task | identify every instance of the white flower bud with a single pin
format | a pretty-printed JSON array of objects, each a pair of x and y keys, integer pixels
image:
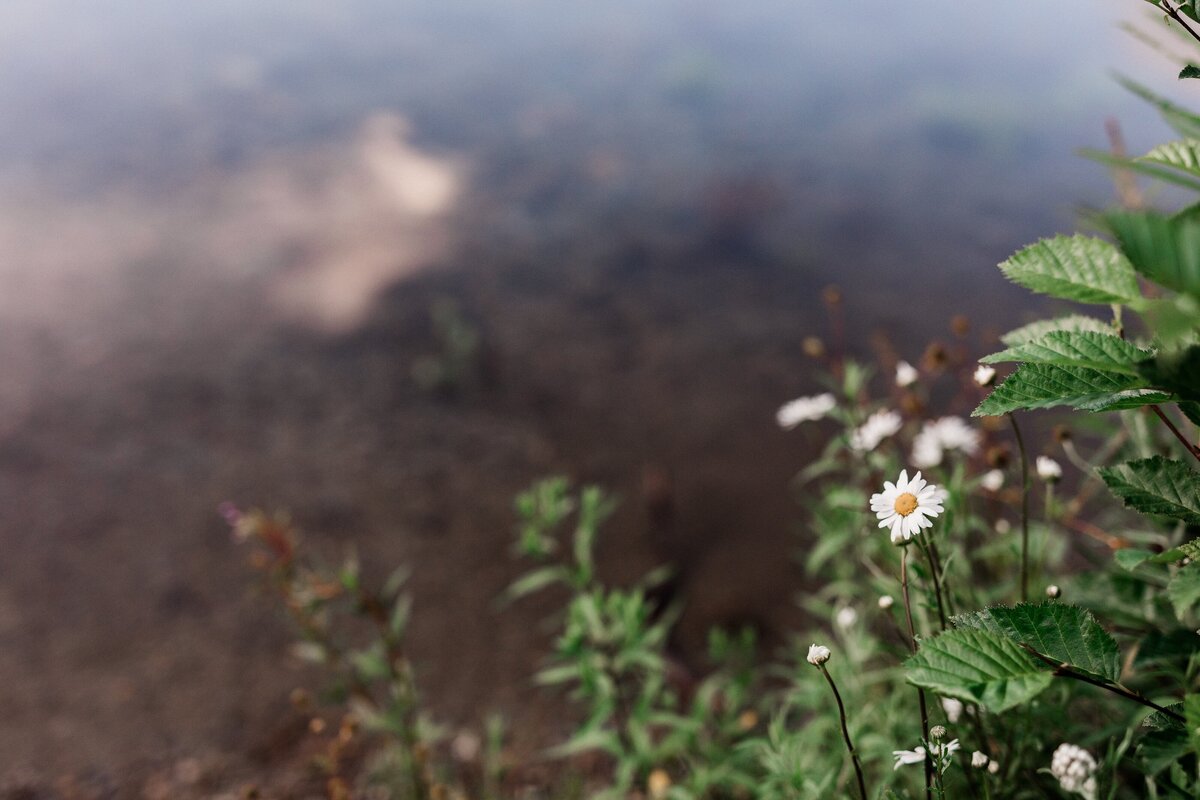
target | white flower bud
[
  {"x": 979, "y": 760},
  {"x": 953, "y": 709},
  {"x": 818, "y": 655},
  {"x": 846, "y": 617},
  {"x": 1048, "y": 469},
  {"x": 1053, "y": 592},
  {"x": 992, "y": 480},
  {"x": 906, "y": 374},
  {"x": 993, "y": 767},
  {"x": 985, "y": 375},
  {"x": 886, "y": 602},
  {"x": 937, "y": 732},
  {"x": 1075, "y": 769}
]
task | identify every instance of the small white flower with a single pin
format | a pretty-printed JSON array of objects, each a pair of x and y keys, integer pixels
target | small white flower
[
  {"x": 886, "y": 602},
  {"x": 953, "y": 709},
  {"x": 906, "y": 507},
  {"x": 1075, "y": 769},
  {"x": 993, "y": 767},
  {"x": 992, "y": 480},
  {"x": 878, "y": 427},
  {"x": 1053, "y": 592},
  {"x": 979, "y": 760},
  {"x": 936, "y": 437},
  {"x": 985, "y": 375},
  {"x": 906, "y": 374},
  {"x": 937, "y": 732},
  {"x": 1048, "y": 469},
  {"x": 805, "y": 409},
  {"x": 1003, "y": 526},
  {"x": 846, "y": 617},
  {"x": 818, "y": 654},
  {"x": 917, "y": 755}
]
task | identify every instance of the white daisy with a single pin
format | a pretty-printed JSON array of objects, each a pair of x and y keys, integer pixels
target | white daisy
[
  {"x": 906, "y": 506},
  {"x": 906, "y": 374},
  {"x": 1075, "y": 769},
  {"x": 917, "y": 755},
  {"x": 935, "y": 438},
  {"x": 805, "y": 409},
  {"x": 878, "y": 427},
  {"x": 1048, "y": 469}
]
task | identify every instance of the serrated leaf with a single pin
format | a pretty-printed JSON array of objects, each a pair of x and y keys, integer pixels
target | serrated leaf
[
  {"x": 977, "y": 666},
  {"x": 1157, "y": 485},
  {"x": 1182, "y": 155},
  {"x": 1130, "y": 558},
  {"x": 1160, "y": 749},
  {"x": 1068, "y": 634},
  {"x": 1184, "y": 590},
  {"x": 1165, "y": 249},
  {"x": 1071, "y": 322},
  {"x": 1047, "y": 385},
  {"x": 1079, "y": 268},
  {"x": 1164, "y": 648},
  {"x": 1100, "y": 351}
]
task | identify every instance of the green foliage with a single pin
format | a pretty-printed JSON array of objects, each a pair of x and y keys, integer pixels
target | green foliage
[
  {"x": 1065, "y": 633},
  {"x": 1070, "y": 323},
  {"x": 978, "y": 666},
  {"x": 1098, "y": 351},
  {"x": 1046, "y": 386},
  {"x": 1164, "y": 248},
  {"x": 1078, "y": 268},
  {"x": 1157, "y": 485}
]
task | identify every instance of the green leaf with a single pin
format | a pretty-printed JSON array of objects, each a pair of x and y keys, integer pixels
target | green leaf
[
  {"x": 1068, "y": 634},
  {"x": 1130, "y": 558},
  {"x": 1175, "y": 646},
  {"x": 1100, "y": 351},
  {"x": 1177, "y": 372},
  {"x": 1190, "y": 71},
  {"x": 1071, "y": 322},
  {"x": 1079, "y": 268},
  {"x": 1165, "y": 249},
  {"x": 977, "y": 666},
  {"x": 1047, "y": 385},
  {"x": 1184, "y": 590},
  {"x": 1157, "y": 485},
  {"x": 1184, "y": 122},
  {"x": 1183, "y": 155},
  {"x": 1161, "y": 748},
  {"x": 1149, "y": 169}
]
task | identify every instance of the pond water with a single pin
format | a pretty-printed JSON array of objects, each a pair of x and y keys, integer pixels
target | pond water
[{"x": 223, "y": 226}]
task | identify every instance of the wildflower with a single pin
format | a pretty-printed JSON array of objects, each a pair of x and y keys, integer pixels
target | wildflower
[
  {"x": 658, "y": 783},
  {"x": 937, "y": 732},
  {"x": 878, "y": 427},
  {"x": 1075, "y": 769},
  {"x": 906, "y": 506},
  {"x": 818, "y": 654},
  {"x": 906, "y": 374},
  {"x": 886, "y": 602},
  {"x": 846, "y": 617},
  {"x": 805, "y": 409},
  {"x": 993, "y": 767},
  {"x": 953, "y": 709},
  {"x": 979, "y": 760},
  {"x": 917, "y": 755},
  {"x": 1048, "y": 469},
  {"x": 1003, "y": 526},
  {"x": 935, "y": 438},
  {"x": 992, "y": 480},
  {"x": 985, "y": 375},
  {"x": 1053, "y": 592}
]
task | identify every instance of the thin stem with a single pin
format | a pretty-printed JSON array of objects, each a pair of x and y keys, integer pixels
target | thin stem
[
  {"x": 935, "y": 569},
  {"x": 1173, "y": 13},
  {"x": 862, "y": 785},
  {"x": 1066, "y": 671},
  {"x": 1024, "y": 507},
  {"x": 912, "y": 637},
  {"x": 1191, "y": 448}
]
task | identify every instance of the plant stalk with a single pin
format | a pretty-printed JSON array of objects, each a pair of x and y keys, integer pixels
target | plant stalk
[
  {"x": 1191, "y": 448},
  {"x": 1066, "y": 671},
  {"x": 1024, "y": 507},
  {"x": 862, "y": 785},
  {"x": 912, "y": 637}
]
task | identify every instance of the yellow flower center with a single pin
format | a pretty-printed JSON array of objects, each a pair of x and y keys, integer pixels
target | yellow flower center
[{"x": 906, "y": 504}]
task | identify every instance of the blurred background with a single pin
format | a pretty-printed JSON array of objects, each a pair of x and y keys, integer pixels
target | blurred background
[{"x": 382, "y": 264}]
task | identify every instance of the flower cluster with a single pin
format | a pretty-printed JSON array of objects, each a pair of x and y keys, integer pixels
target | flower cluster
[
  {"x": 1075, "y": 769},
  {"x": 939, "y": 436}
]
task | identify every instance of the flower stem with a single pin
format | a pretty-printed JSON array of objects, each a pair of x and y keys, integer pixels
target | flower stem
[
  {"x": 862, "y": 785},
  {"x": 1024, "y": 508},
  {"x": 935, "y": 570},
  {"x": 912, "y": 637},
  {"x": 1191, "y": 448}
]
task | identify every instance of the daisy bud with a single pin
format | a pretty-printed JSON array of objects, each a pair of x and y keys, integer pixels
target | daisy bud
[
  {"x": 953, "y": 709},
  {"x": 992, "y": 480},
  {"x": 846, "y": 617},
  {"x": 985, "y": 375},
  {"x": 979, "y": 760},
  {"x": 886, "y": 602},
  {"x": 906, "y": 374},
  {"x": 993, "y": 767},
  {"x": 1003, "y": 526},
  {"x": 937, "y": 732},
  {"x": 1053, "y": 592},
  {"x": 818, "y": 654},
  {"x": 1048, "y": 469},
  {"x": 658, "y": 784}
]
